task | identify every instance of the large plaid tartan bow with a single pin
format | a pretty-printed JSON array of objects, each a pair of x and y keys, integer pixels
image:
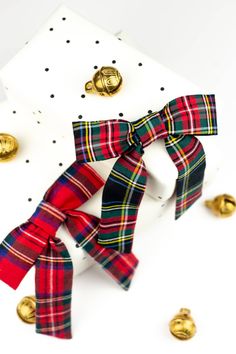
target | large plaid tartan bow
[
  {"x": 35, "y": 242},
  {"x": 176, "y": 123}
]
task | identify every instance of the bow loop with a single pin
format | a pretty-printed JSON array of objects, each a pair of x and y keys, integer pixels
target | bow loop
[
  {"x": 21, "y": 248},
  {"x": 74, "y": 187},
  {"x": 19, "y": 251},
  {"x": 102, "y": 140},
  {"x": 190, "y": 115}
]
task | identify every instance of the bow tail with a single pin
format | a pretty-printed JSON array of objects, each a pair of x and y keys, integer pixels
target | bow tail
[
  {"x": 120, "y": 266},
  {"x": 19, "y": 251},
  {"x": 122, "y": 195},
  {"x": 53, "y": 280},
  {"x": 188, "y": 155}
]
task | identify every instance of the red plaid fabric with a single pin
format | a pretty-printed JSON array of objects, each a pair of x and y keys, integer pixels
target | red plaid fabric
[{"x": 35, "y": 242}]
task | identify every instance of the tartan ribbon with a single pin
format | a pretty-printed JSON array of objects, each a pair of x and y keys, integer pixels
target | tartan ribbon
[
  {"x": 176, "y": 123},
  {"x": 35, "y": 243}
]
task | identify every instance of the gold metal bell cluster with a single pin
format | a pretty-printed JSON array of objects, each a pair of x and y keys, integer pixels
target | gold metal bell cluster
[
  {"x": 106, "y": 82},
  {"x": 223, "y": 205}
]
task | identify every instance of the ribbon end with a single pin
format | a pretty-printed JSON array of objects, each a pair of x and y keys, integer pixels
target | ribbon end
[
  {"x": 121, "y": 267},
  {"x": 60, "y": 335},
  {"x": 10, "y": 274}
]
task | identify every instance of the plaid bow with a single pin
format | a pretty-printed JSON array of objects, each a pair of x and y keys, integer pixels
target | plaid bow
[
  {"x": 176, "y": 123},
  {"x": 35, "y": 242}
]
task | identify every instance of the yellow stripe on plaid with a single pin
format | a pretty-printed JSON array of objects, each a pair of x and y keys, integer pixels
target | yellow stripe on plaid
[
  {"x": 169, "y": 120},
  {"x": 87, "y": 129},
  {"x": 131, "y": 132},
  {"x": 127, "y": 181},
  {"x": 190, "y": 169},
  {"x": 179, "y": 151},
  {"x": 209, "y": 116},
  {"x": 188, "y": 192},
  {"x": 147, "y": 124},
  {"x": 117, "y": 240},
  {"x": 51, "y": 259},
  {"x": 118, "y": 206},
  {"x": 125, "y": 210}
]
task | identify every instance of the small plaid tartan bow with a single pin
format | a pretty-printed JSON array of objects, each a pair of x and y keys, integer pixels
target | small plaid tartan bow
[
  {"x": 176, "y": 123},
  {"x": 35, "y": 242}
]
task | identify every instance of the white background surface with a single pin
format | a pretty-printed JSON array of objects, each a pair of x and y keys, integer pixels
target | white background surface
[{"x": 189, "y": 263}]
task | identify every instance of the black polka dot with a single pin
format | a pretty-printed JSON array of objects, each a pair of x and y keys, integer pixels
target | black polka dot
[
  {"x": 38, "y": 121},
  {"x": 68, "y": 41},
  {"x": 119, "y": 39},
  {"x": 27, "y": 161},
  {"x": 150, "y": 111},
  {"x": 121, "y": 114},
  {"x": 14, "y": 112},
  {"x": 60, "y": 164},
  {"x": 113, "y": 61},
  {"x": 46, "y": 69},
  {"x": 80, "y": 116},
  {"x": 162, "y": 88},
  {"x": 159, "y": 197},
  {"x": 40, "y": 112},
  {"x": 51, "y": 29},
  {"x": 63, "y": 18},
  {"x": 97, "y": 42},
  {"x": 29, "y": 199},
  {"x": 54, "y": 141},
  {"x": 83, "y": 96},
  {"x": 140, "y": 64},
  {"x": 77, "y": 245},
  {"x": 95, "y": 67},
  {"x": 27, "y": 42},
  {"x": 52, "y": 96}
]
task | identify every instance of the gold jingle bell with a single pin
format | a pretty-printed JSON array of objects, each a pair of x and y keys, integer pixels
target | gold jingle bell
[
  {"x": 106, "y": 82},
  {"x": 222, "y": 205},
  {"x": 182, "y": 326},
  {"x": 8, "y": 147},
  {"x": 26, "y": 309}
]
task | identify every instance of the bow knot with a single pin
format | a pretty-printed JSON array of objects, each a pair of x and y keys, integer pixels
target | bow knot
[
  {"x": 150, "y": 128},
  {"x": 48, "y": 217},
  {"x": 135, "y": 137}
]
